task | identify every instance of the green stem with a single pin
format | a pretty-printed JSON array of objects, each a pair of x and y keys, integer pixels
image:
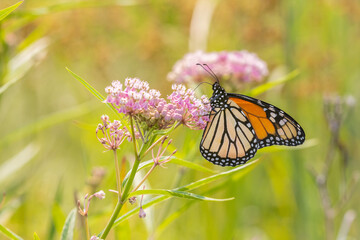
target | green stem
[
  {"x": 87, "y": 228},
  {"x": 126, "y": 191},
  {"x": 118, "y": 179},
  {"x": 4, "y": 56},
  {"x": 112, "y": 219}
]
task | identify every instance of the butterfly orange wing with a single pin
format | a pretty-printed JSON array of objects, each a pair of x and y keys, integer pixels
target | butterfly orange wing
[{"x": 272, "y": 125}]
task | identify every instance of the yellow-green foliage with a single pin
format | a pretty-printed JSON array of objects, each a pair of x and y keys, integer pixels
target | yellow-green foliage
[{"x": 48, "y": 146}]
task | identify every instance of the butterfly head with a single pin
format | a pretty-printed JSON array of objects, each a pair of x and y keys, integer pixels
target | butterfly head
[{"x": 219, "y": 98}]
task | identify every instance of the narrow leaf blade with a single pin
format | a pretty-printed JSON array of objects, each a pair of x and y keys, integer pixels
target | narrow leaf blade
[
  {"x": 8, "y": 233},
  {"x": 173, "y": 160},
  {"x": 68, "y": 229},
  {"x": 266, "y": 86},
  {"x": 20, "y": 64},
  {"x": 8, "y": 10},
  {"x": 187, "y": 187},
  {"x": 214, "y": 177},
  {"x": 36, "y": 237},
  {"x": 87, "y": 85},
  {"x": 47, "y": 121},
  {"x": 180, "y": 194},
  {"x": 97, "y": 95}
]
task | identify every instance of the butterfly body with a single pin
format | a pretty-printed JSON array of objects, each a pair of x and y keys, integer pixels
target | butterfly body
[{"x": 240, "y": 125}]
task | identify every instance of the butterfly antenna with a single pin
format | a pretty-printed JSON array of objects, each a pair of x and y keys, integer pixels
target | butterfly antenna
[
  {"x": 200, "y": 84},
  {"x": 209, "y": 71},
  {"x": 213, "y": 74}
]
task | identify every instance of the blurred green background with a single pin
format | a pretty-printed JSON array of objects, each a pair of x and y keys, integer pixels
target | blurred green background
[{"x": 48, "y": 147}]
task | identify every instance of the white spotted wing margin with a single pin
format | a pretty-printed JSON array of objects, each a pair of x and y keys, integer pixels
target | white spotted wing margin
[
  {"x": 287, "y": 131},
  {"x": 228, "y": 139}
]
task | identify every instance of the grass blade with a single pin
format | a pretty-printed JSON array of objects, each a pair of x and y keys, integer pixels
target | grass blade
[
  {"x": 9, "y": 167},
  {"x": 9, "y": 233},
  {"x": 8, "y": 10},
  {"x": 172, "y": 217},
  {"x": 176, "y": 214},
  {"x": 174, "y": 160},
  {"x": 47, "y": 121},
  {"x": 98, "y": 95},
  {"x": 72, "y": 5},
  {"x": 214, "y": 177},
  {"x": 180, "y": 194},
  {"x": 68, "y": 229},
  {"x": 58, "y": 217},
  {"x": 191, "y": 165},
  {"x": 20, "y": 64},
  {"x": 36, "y": 237},
  {"x": 266, "y": 86},
  {"x": 87, "y": 85}
]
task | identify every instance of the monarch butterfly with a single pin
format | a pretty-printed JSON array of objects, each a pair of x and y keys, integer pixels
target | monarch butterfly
[{"x": 240, "y": 125}]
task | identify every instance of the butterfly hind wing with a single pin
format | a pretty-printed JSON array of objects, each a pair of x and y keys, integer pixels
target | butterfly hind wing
[
  {"x": 229, "y": 138},
  {"x": 272, "y": 125}
]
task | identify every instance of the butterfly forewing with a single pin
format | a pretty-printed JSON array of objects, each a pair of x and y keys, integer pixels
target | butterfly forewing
[
  {"x": 272, "y": 125},
  {"x": 228, "y": 139}
]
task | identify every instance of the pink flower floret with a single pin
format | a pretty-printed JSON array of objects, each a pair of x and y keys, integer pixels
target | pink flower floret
[
  {"x": 242, "y": 66},
  {"x": 135, "y": 98}
]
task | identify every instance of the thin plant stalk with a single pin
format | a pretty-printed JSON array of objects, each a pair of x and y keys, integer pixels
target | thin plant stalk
[
  {"x": 135, "y": 166},
  {"x": 118, "y": 179},
  {"x": 145, "y": 177},
  {"x": 126, "y": 191},
  {"x": 87, "y": 228},
  {"x": 154, "y": 144}
]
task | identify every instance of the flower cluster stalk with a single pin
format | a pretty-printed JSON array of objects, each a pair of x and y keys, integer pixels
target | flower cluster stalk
[
  {"x": 118, "y": 178},
  {"x": 150, "y": 117},
  {"x": 124, "y": 195},
  {"x": 87, "y": 227}
]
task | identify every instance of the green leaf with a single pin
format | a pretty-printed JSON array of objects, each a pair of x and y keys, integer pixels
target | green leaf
[
  {"x": 20, "y": 64},
  {"x": 58, "y": 216},
  {"x": 36, "y": 237},
  {"x": 172, "y": 217},
  {"x": 7, "y": 11},
  {"x": 71, "y": 5},
  {"x": 214, "y": 177},
  {"x": 87, "y": 85},
  {"x": 187, "y": 187},
  {"x": 180, "y": 194},
  {"x": 191, "y": 165},
  {"x": 266, "y": 86},
  {"x": 173, "y": 160},
  {"x": 36, "y": 34},
  {"x": 68, "y": 229},
  {"x": 47, "y": 121},
  {"x": 5, "y": 231},
  {"x": 98, "y": 95},
  {"x": 24, "y": 156}
]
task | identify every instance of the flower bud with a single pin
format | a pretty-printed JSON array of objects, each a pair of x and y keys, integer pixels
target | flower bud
[
  {"x": 142, "y": 213},
  {"x": 100, "y": 194}
]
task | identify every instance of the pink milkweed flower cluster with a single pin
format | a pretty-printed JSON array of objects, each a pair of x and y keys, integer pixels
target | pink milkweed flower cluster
[
  {"x": 188, "y": 109},
  {"x": 150, "y": 110},
  {"x": 241, "y": 66},
  {"x": 113, "y": 133}
]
